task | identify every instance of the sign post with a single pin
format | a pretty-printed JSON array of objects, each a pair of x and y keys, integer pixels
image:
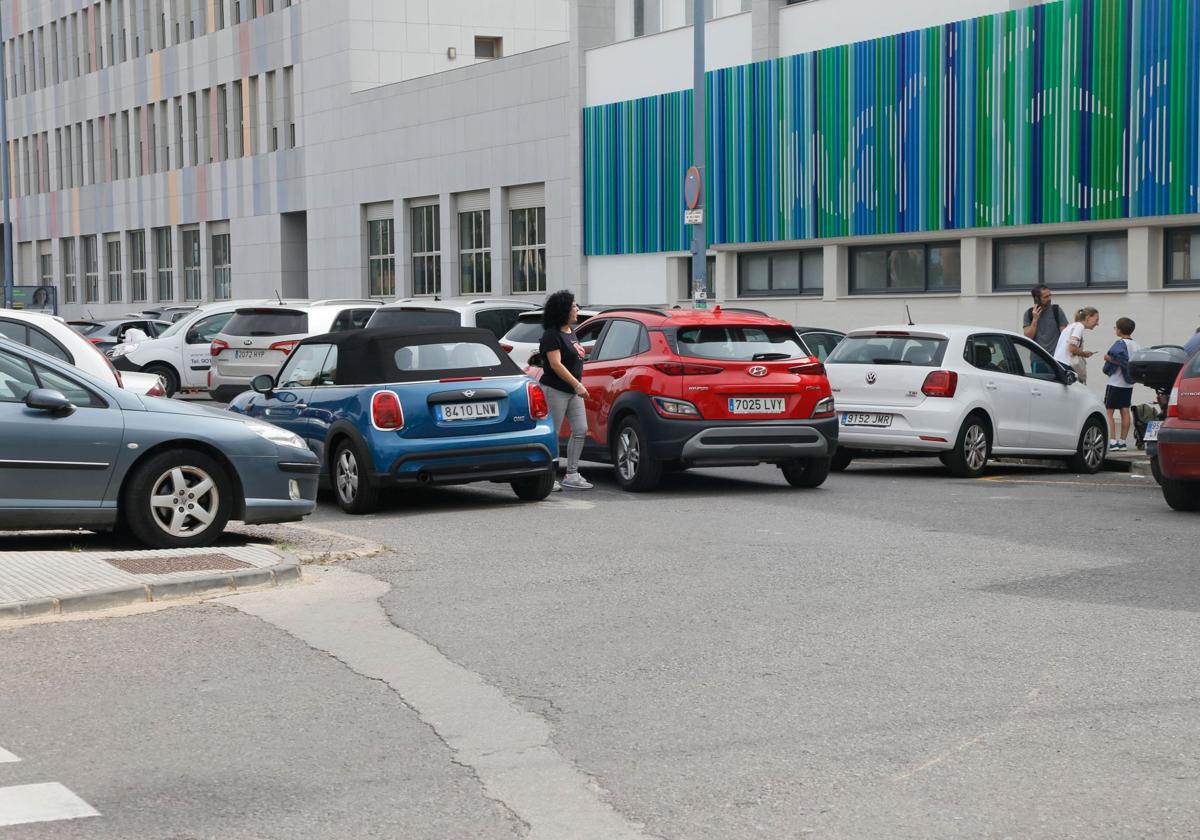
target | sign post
[{"x": 693, "y": 186}]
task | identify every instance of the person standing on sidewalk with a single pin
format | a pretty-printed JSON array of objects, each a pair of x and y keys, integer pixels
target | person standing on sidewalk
[
  {"x": 1070, "y": 353},
  {"x": 1045, "y": 320},
  {"x": 562, "y": 361},
  {"x": 1119, "y": 393}
]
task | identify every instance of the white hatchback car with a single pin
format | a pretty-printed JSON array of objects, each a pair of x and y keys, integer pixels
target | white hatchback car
[
  {"x": 54, "y": 336},
  {"x": 963, "y": 393},
  {"x": 524, "y": 339},
  {"x": 495, "y": 314}
]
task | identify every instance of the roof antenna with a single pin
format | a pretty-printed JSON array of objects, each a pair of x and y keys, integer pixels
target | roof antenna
[
  {"x": 909, "y": 314},
  {"x": 278, "y": 298}
]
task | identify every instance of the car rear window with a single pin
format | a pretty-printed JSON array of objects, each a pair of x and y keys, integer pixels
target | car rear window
[
  {"x": 750, "y": 343},
  {"x": 918, "y": 351},
  {"x": 85, "y": 328},
  {"x": 457, "y": 355},
  {"x": 391, "y": 319},
  {"x": 528, "y": 332},
  {"x": 251, "y": 322}
]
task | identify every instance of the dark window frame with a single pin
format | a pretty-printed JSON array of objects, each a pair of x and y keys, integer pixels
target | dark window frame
[
  {"x": 1041, "y": 241},
  {"x": 771, "y": 291},
  {"x": 1168, "y": 283},
  {"x": 898, "y": 246}
]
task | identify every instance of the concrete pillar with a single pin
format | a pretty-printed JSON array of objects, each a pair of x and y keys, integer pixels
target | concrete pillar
[
  {"x": 1145, "y": 259},
  {"x": 765, "y": 28},
  {"x": 835, "y": 270},
  {"x": 500, "y": 239},
  {"x": 448, "y": 222},
  {"x": 976, "y": 275}
]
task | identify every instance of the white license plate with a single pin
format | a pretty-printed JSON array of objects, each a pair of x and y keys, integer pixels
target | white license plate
[
  {"x": 452, "y": 412},
  {"x": 249, "y": 354},
  {"x": 857, "y": 418},
  {"x": 757, "y": 405},
  {"x": 1152, "y": 430}
]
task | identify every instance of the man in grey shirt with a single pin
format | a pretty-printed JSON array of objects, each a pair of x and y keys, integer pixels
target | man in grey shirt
[{"x": 1044, "y": 320}]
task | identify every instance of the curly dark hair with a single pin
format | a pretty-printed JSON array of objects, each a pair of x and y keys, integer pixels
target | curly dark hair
[{"x": 556, "y": 311}]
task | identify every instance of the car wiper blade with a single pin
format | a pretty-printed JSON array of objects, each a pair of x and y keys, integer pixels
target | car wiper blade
[{"x": 770, "y": 357}]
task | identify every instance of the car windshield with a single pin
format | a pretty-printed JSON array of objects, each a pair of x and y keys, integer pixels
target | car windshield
[
  {"x": 266, "y": 322},
  {"x": 182, "y": 323},
  {"x": 821, "y": 344},
  {"x": 458, "y": 355},
  {"x": 85, "y": 327},
  {"x": 888, "y": 350},
  {"x": 743, "y": 343},
  {"x": 391, "y": 319},
  {"x": 526, "y": 332}
]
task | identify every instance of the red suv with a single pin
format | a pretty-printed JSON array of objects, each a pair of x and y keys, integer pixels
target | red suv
[
  {"x": 1179, "y": 441},
  {"x": 677, "y": 388}
]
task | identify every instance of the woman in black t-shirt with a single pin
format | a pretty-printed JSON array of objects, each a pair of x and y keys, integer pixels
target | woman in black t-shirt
[{"x": 562, "y": 365}]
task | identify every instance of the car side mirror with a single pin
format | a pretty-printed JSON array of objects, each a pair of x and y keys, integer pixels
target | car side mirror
[
  {"x": 263, "y": 384},
  {"x": 587, "y": 350},
  {"x": 536, "y": 360},
  {"x": 1070, "y": 377},
  {"x": 47, "y": 399}
]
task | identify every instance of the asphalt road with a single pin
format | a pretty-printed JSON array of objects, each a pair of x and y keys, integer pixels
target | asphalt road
[{"x": 897, "y": 654}]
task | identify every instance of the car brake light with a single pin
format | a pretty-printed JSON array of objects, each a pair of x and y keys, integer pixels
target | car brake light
[
  {"x": 940, "y": 383},
  {"x": 506, "y": 347},
  {"x": 682, "y": 409},
  {"x": 824, "y": 408},
  {"x": 539, "y": 408},
  {"x": 809, "y": 368},
  {"x": 157, "y": 390},
  {"x": 96, "y": 340},
  {"x": 386, "y": 413},
  {"x": 686, "y": 369},
  {"x": 1173, "y": 402},
  {"x": 285, "y": 346},
  {"x": 217, "y": 346}
]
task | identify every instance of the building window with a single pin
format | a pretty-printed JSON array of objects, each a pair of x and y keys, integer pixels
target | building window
[
  {"x": 1061, "y": 262},
  {"x": 137, "y": 265},
  {"x": 1183, "y": 257},
  {"x": 779, "y": 273},
  {"x": 475, "y": 252},
  {"x": 91, "y": 270},
  {"x": 47, "y": 268},
  {"x": 193, "y": 282},
  {"x": 488, "y": 47},
  {"x": 529, "y": 249},
  {"x": 427, "y": 250},
  {"x": 70, "y": 295},
  {"x": 916, "y": 268},
  {"x": 113, "y": 248},
  {"x": 381, "y": 258},
  {"x": 165, "y": 289},
  {"x": 222, "y": 267}
]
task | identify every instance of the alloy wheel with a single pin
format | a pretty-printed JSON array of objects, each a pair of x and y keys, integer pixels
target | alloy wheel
[
  {"x": 975, "y": 447},
  {"x": 347, "y": 476},
  {"x": 628, "y": 454},
  {"x": 1093, "y": 447},
  {"x": 184, "y": 501}
]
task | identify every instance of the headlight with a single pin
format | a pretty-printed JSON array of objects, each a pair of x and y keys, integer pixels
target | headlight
[
  {"x": 122, "y": 350},
  {"x": 277, "y": 435}
]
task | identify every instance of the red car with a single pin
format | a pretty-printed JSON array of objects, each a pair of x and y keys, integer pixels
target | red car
[
  {"x": 1179, "y": 441},
  {"x": 672, "y": 389}
]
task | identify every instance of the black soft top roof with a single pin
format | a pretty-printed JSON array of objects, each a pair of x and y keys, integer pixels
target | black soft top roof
[{"x": 368, "y": 356}]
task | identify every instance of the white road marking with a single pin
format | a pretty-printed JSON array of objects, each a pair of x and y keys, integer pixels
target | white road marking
[
  {"x": 6, "y": 757},
  {"x": 47, "y": 802}
]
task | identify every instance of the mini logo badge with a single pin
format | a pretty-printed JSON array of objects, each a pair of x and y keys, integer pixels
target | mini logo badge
[
  {"x": 468, "y": 394},
  {"x": 871, "y": 377},
  {"x": 757, "y": 370}
]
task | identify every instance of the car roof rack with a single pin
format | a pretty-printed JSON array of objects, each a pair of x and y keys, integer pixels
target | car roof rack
[{"x": 334, "y": 301}]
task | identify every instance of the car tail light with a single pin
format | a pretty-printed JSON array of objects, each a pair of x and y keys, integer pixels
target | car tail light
[
  {"x": 285, "y": 346},
  {"x": 386, "y": 413},
  {"x": 810, "y": 368},
  {"x": 824, "y": 408},
  {"x": 687, "y": 369},
  {"x": 506, "y": 347},
  {"x": 539, "y": 409},
  {"x": 940, "y": 383},
  {"x": 1173, "y": 402},
  {"x": 217, "y": 346},
  {"x": 96, "y": 340},
  {"x": 157, "y": 390},
  {"x": 107, "y": 361},
  {"x": 676, "y": 409}
]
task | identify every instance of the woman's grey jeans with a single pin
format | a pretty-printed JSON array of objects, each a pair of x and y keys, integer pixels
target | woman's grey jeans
[{"x": 569, "y": 406}]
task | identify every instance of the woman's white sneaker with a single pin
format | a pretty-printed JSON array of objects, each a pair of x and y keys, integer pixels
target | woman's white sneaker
[{"x": 575, "y": 481}]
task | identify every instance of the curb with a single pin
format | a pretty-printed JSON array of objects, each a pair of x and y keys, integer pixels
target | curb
[
  {"x": 1135, "y": 466},
  {"x": 102, "y": 599}
]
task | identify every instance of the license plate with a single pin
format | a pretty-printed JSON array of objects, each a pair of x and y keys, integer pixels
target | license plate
[
  {"x": 855, "y": 418},
  {"x": 757, "y": 405},
  {"x": 1152, "y": 430},
  {"x": 453, "y": 412},
  {"x": 249, "y": 354}
]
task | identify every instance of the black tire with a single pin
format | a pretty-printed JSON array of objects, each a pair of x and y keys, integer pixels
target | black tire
[
  {"x": 635, "y": 468},
  {"x": 806, "y": 472},
  {"x": 1093, "y": 446},
  {"x": 969, "y": 457},
  {"x": 841, "y": 459},
  {"x": 350, "y": 475},
  {"x": 1156, "y": 470},
  {"x": 535, "y": 488},
  {"x": 197, "y": 486},
  {"x": 170, "y": 378},
  {"x": 1182, "y": 495}
]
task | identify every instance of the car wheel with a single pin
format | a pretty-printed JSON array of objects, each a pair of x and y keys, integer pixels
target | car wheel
[
  {"x": 633, "y": 464},
  {"x": 1156, "y": 470},
  {"x": 1182, "y": 495},
  {"x": 969, "y": 457},
  {"x": 806, "y": 472},
  {"x": 351, "y": 477},
  {"x": 841, "y": 459},
  {"x": 170, "y": 378},
  {"x": 178, "y": 499},
  {"x": 535, "y": 488},
  {"x": 1093, "y": 445}
]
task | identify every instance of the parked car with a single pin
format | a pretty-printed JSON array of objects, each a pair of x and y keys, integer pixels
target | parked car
[
  {"x": 679, "y": 388},
  {"x": 424, "y": 405},
  {"x": 522, "y": 341},
  {"x": 1179, "y": 441},
  {"x": 77, "y": 451},
  {"x": 51, "y": 334},
  {"x": 181, "y": 354},
  {"x": 495, "y": 314},
  {"x": 170, "y": 314},
  {"x": 963, "y": 393},
  {"x": 108, "y": 334},
  {"x": 820, "y": 341}
]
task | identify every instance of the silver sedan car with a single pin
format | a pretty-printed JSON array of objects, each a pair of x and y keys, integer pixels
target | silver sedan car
[{"x": 79, "y": 452}]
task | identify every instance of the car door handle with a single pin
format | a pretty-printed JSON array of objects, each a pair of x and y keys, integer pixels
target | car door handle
[
  {"x": 618, "y": 373},
  {"x": 301, "y": 406},
  {"x": 1036, "y": 392},
  {"x": 991, "y": 386}
]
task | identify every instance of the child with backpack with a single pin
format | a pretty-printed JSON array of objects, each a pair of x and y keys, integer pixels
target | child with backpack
[{"x": 1118, "y": 395}]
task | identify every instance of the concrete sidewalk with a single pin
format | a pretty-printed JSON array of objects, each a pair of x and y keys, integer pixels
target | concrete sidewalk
[{"x": 46, "y": 574}]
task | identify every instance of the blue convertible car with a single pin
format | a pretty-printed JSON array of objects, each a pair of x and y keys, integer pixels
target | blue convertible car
[{"x": 423, "y": 405}]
